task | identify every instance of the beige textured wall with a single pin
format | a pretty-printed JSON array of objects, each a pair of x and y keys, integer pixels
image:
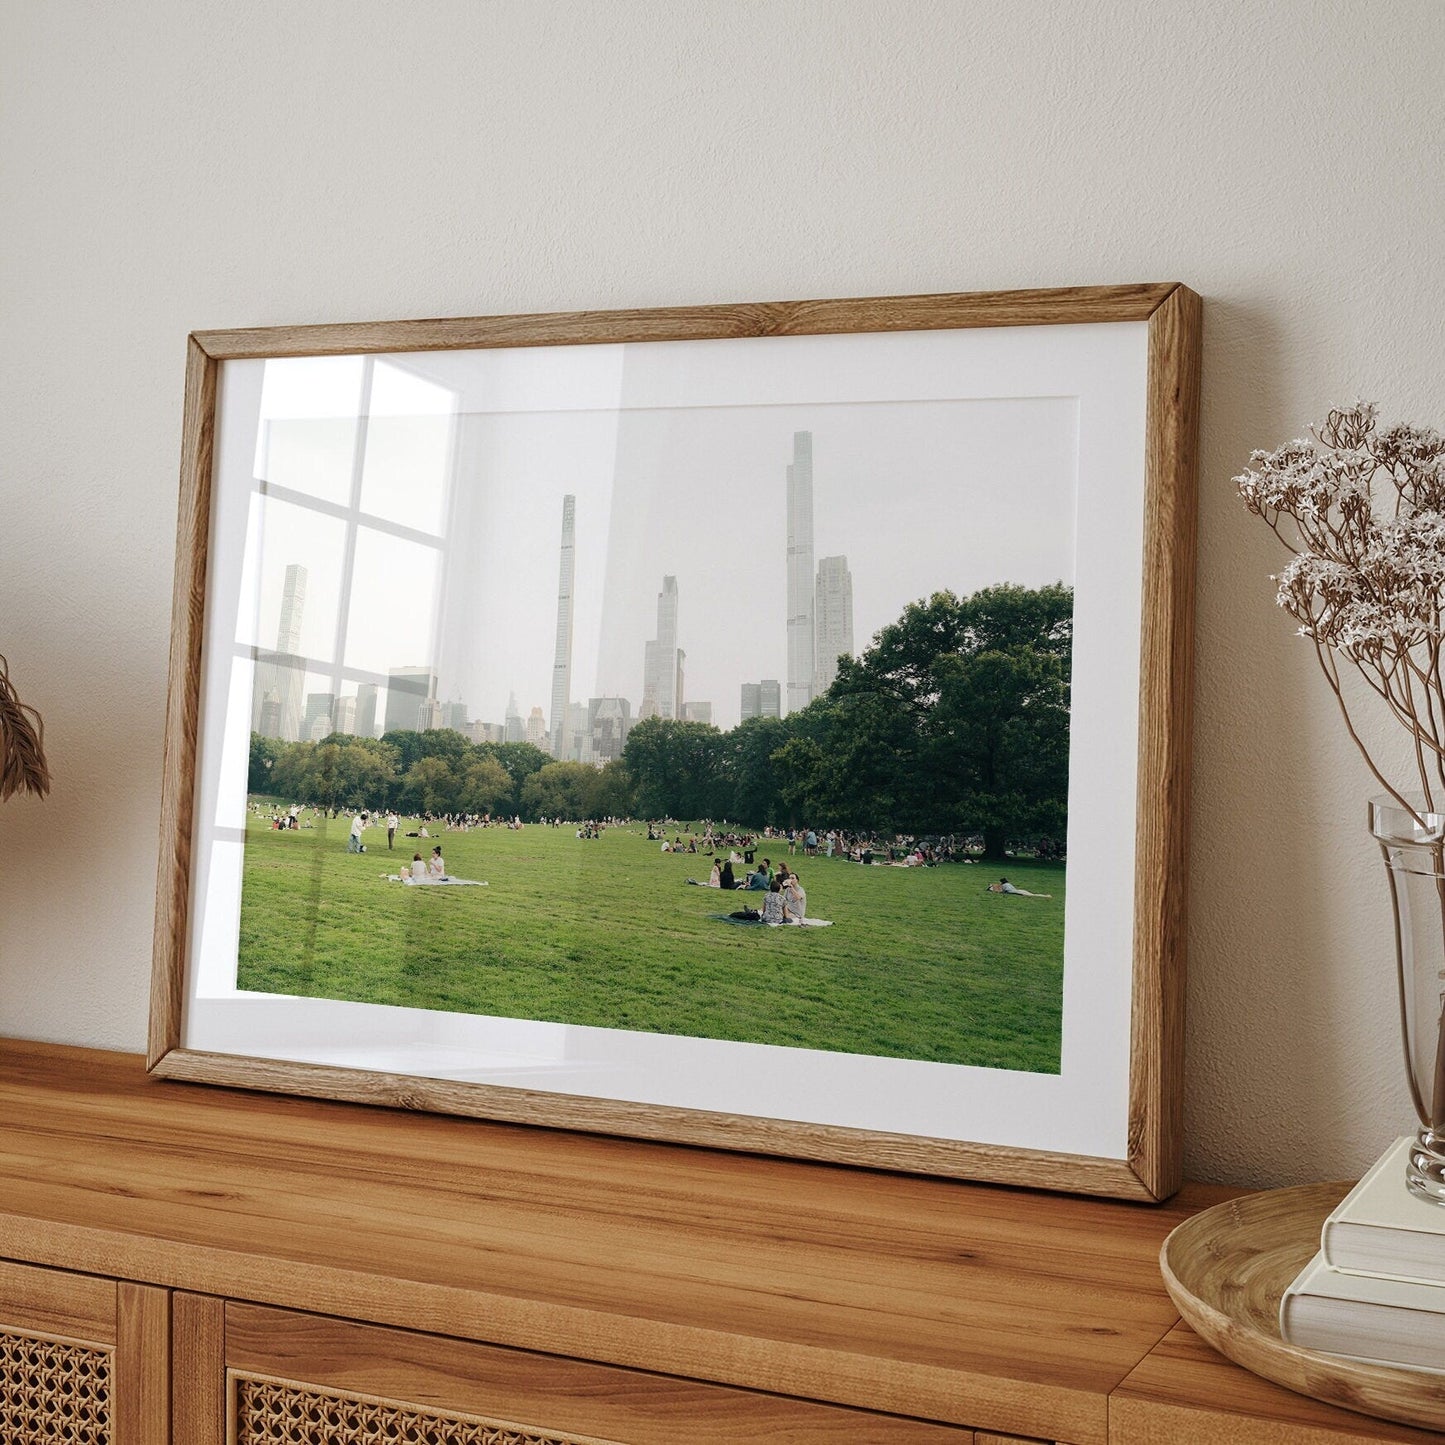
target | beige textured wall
[{"x": 179, "y": 164}]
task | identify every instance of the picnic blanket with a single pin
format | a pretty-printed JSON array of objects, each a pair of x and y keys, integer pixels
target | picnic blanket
[
  {"x": 791, "y": 923},
  {"x": 435, "y": 882}
]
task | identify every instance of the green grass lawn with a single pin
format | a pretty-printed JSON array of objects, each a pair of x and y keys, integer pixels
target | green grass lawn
[{"x": 921, "y": 963}]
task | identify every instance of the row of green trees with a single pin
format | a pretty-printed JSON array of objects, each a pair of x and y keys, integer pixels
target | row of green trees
[{"x": 955, "y": 720}]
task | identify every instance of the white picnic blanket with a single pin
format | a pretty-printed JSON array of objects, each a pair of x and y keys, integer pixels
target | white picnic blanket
[{"x": 435, "y": 882}]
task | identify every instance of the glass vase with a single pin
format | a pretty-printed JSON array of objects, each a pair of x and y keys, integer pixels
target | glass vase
[{"x": 1412, "y": 840}]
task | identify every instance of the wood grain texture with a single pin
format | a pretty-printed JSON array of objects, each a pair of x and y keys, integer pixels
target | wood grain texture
[
  {"x": 541, "y": 1391},
  {"x": 948, "y": 1158},
  {"x": 1156, "y": 1063},
  {"x": 198, "y": 1369},
  {"x": 142, "y": 1404},
  {"x": 1227, "y": 1268},
  {"x": 58, "y": 1305},
  {"x": 1185, "y": 1393},
  {"x": 1151, "y": 1167},
  {"x": 178, "y": 778},
  {"x": 1058, "y": 307},
  {"x": 965, "y": 1304}
]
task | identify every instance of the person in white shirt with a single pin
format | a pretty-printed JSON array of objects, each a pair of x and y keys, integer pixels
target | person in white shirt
[
  {"x": 437, "y": 867},
  {"x": 418, "y": 868},
  {"x": 392, "y": 822},
  {"x": 1004, "y": 886},
  {"x": 354, "y": 843}
]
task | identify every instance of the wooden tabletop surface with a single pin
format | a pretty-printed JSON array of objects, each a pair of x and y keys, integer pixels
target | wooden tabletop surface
[{"x": 991, "y": 1307}]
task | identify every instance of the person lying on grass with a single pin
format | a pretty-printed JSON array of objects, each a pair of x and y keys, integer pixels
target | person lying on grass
[{"x": 1004, "y": 886}]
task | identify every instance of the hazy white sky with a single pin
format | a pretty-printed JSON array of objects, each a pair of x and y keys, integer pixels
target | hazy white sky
[{"x": 473, "y": 461}]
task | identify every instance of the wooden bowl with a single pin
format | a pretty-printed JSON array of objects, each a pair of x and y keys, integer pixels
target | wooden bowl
[{"x": 1226, "y": 1269}]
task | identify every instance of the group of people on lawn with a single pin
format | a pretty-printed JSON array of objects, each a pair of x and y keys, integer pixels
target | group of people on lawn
[{"x": 784, "y": 899}]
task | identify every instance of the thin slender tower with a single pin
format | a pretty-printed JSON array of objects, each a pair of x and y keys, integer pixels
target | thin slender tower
[
  {"x": 800, "y": 573},
  {"x": 281, "y": 676},
  {"x": 562, "y": 662}
]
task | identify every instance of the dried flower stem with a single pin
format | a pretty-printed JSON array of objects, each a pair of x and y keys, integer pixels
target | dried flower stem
[
  {"x": 22, "y": 736},
  {"x": 1362, "y": 514}
]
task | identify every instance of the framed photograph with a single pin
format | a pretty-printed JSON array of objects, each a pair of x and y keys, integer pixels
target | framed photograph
[{"x": 759, "y": 726}]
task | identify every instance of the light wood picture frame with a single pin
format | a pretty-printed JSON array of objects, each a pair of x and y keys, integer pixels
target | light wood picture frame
[{"x": 1089, "y": 395}]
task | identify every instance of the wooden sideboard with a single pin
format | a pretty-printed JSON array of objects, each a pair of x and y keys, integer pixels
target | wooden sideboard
[{"x": 200, "y": 1265}]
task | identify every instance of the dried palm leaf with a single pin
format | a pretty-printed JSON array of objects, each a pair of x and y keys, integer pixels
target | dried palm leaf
[{"x": 22, "y": 736}]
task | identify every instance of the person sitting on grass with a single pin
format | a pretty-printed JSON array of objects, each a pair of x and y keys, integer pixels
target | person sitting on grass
[
  {"x": 726, "y": 879},
  {"x": 773, "y": 911},
  {"x": 714, "y": 878},
  {"x": 437, "y": 867},
  {"x": 795, "y": 900},
  {"x": 1004, "y": 886},
  {"x": 418, "y": 868},
  {"x": 759, "y": 880}
]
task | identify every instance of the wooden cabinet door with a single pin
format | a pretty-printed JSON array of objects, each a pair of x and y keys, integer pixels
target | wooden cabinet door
[
  {"x": 298, "y": 1379},
  {"x": 82, "y": 1359}
]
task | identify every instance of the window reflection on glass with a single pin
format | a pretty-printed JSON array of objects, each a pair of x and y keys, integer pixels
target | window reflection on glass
[
  {"x": 293, "y": 573},
  {"x": 307, "y": 436},
  {"x": 407, "y": 467},
  {"x": 392, "y": 620}
]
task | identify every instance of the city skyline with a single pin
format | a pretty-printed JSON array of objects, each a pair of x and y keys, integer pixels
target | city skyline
[
  {"x": 907, "y": 498},
  {"x": 412, "y": 691}
]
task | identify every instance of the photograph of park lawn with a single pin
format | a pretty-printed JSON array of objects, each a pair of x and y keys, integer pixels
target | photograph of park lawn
[{"x": 938, "y": 755}]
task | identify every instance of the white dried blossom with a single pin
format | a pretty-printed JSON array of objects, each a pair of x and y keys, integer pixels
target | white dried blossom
[{"x": 1363, "y": 512}]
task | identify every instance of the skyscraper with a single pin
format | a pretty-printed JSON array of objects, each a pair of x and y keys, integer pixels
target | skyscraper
[
  {"x": 761, "y": 699},
  {"x": 317, "y": 722},
  {"x": 577, "y": 746},
  {"x": 344, "y": 716},
  {"x": 562, "y": 661},
  {"x": 800, "y": 572},
  {"x": 536, "y": 728},
  {"x": 281, "y": 675},
  {"x": 609, "y": 720},
  {"x": 366, "y": 709},
  {"x": 662, "y": 663},
  {"x": 832, "y": 620},
  {"x": 407, "y": 688},
  {"x": 697, "y": 712},
  {"x": 513, "y": 728},
  {"x": 454, "y": 716}
]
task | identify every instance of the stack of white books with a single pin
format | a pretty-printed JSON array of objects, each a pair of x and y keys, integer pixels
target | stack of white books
[{"x": 1376, "y": 1289}]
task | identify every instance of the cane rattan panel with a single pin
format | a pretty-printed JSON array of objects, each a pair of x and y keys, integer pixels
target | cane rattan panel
[
  {"x": 278, "y": 1412},
  {"x": 53, "y": 1393}
]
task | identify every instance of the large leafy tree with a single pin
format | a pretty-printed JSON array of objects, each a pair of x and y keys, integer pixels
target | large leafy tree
[
  {"x": 265, "y": 754},
  {"x": 520, "y": 760},
  {"x": 754, "y": 778},
  {"x": 486, "y": 786},
  {"x": 613, "y": 793},
  {"x": 678, "y": 768},
  {"x": 430, "y": 786},
  {"x": 338, "y": 772},
  {"x": 560, "y": 790},
  {"x": 970, "y": 697}
]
